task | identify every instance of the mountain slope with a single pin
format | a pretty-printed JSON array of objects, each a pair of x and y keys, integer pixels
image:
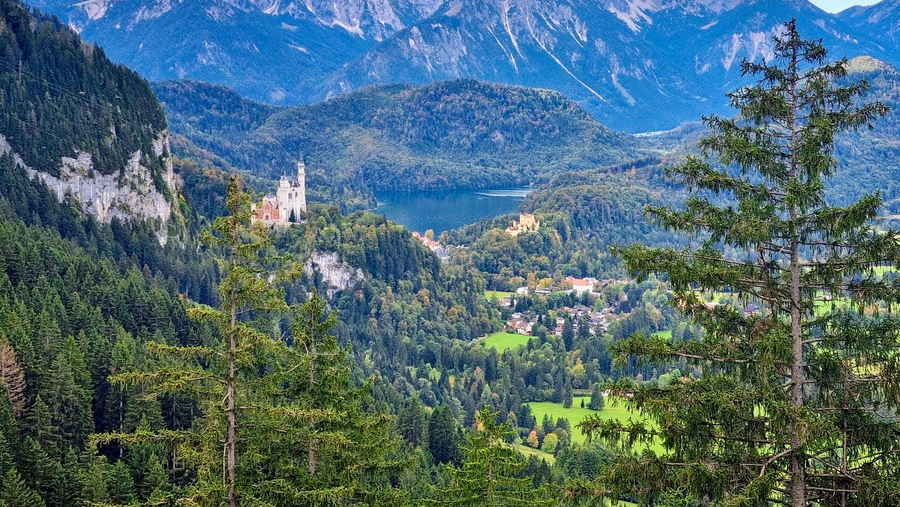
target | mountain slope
[
  {"x": 625, "y": 61},
  {"x": 448, "y": 135},
  {"x": 268, "y": 49},
  {"x": 629, "y": 66},
  {"x": 882, "y": 19},
  {"x": 84, "y": 125}
]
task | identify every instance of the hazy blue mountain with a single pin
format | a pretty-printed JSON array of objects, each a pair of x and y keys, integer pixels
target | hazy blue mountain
[
  {"x": 882, "y": 20},
  {"x": 260, "y": 48},
  {"x": 636, "y": 65}
]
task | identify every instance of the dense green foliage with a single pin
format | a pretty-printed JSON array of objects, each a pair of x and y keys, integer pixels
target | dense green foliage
[
  {"x": 261, "y": 395},
  {"x": 73, "y": 317},
  {"x": 487, "y": 475},
  {"x": 59, "y": 94},
  {"x": 581, "y": 216},
  {"x": 450, "y": 135},
  {"x": 787, "y": 405}
]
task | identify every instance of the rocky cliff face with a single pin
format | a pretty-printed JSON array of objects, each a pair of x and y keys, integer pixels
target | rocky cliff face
[
  {"x": 127, "y": 195},
  {"x": 339, "y": 275}
]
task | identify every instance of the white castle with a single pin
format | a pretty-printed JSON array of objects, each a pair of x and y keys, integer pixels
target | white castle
[{"x": 287, "y": 204}]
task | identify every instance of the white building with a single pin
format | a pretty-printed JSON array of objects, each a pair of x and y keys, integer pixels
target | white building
[{"x": 287, "y": 204}]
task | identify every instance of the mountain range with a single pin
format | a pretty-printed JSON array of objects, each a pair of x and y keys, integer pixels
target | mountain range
[
  {"x": 636, "y": 65},
  {"x": 387, "y": 138}
]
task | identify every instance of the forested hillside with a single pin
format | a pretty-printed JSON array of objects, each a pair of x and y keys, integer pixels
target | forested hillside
[
  {"x": 61, "y": 94},
  {"x": 450, "y": 135},
  {"x": 78, "y": 302},
  {"x": 581, "y": 214},
  {"x": 867, "y": 159}
]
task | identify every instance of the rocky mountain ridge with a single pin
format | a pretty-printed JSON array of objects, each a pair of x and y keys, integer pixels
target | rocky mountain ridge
[{"x": 636, "y": 65}]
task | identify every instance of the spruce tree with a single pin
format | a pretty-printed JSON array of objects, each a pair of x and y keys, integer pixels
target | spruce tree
[
  {"x": 15, "y": 493},
  {"x": 597, "y": 401},
  {"x": 322, "y": 447},
  {"x": 411, "y": 423},
  {"x": 795, "y": 406},
  {"x": 442, "y": 437},
  {"x": 489, "y": 475},
  {"x": 224, "y": 376}
]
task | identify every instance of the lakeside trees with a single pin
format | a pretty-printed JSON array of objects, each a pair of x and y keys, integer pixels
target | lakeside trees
[{"x": 793, "y": 406}]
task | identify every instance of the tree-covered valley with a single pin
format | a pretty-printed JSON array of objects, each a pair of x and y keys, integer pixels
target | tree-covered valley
[{"x": 629, "y": 336}]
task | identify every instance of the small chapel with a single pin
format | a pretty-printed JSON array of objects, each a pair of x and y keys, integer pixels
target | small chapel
[{"x": 286, "y": 205}]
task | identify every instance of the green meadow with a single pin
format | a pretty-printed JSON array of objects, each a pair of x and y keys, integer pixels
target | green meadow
[
  {"x": 575, "y": 415},
  {"x": 503, "y": 340},
  {"x": 496, "y": 295}
]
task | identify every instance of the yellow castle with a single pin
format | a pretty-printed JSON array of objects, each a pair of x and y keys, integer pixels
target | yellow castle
[{"x": 526, "y": 223}]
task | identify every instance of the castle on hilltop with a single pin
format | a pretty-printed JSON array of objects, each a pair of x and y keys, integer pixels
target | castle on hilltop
[
  {"x": 526, "y": 223},
  {"x": 287, "y": 204}
]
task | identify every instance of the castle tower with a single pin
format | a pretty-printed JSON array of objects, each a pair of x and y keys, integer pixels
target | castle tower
[
  {"x": 298, "y": 204},
  {"x": 283, "y": 197}
]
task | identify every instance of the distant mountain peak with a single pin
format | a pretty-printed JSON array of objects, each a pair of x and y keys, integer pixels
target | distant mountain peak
[
  {"x": 625, "y": 61},
  {"x": 866, "y": 64}
]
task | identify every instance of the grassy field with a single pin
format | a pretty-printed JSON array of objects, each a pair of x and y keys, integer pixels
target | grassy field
[
  {"x": 529, "y": 451},
  {"x": 491, "y": 295},
  {"x": 576, "y": 414},
  {"x": 664, "y": 334},
  {"x": 824, "y": 307},
  {"x": 503, "y": 340}
]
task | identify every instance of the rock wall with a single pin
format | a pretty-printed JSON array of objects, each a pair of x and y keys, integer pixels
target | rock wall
[
  {"x": 339, "y": 275},
  {"x": 125, "y": 195}
]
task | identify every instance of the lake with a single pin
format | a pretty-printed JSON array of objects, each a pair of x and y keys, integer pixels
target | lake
[{"x": 443, "y": 211}]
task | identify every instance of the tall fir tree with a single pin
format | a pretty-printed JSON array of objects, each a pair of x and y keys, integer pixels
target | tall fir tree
[
  {"x": 443, "y": 438},
  {"x": 225, "y": 374},
  {"x": 796, "y": 406},
  {"x": 411, "y": 423},
  {"x": 323, "y": 447},
  {"x": 489, "y": 474}
]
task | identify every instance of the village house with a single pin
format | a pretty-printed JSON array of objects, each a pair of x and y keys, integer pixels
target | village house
[
  {"x": 582, "y": 285},
  {"x": 438, "y": 249},
  {"x": 521, "y": 323}
]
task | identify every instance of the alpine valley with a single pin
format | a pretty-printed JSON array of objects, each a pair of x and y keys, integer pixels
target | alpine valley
[{"x": 694, "y": 305}]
